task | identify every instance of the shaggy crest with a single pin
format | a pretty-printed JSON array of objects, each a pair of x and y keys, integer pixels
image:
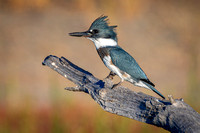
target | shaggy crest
[{"x": 102, "y": 23}]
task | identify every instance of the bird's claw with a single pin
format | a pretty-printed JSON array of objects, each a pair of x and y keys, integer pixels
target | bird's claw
[
  {"x": 116, "y": 85},
  {"x": 111, "y": 75}
]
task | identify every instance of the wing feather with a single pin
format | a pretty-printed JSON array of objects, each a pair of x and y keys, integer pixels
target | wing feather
[{"x": 128, "y": 64}]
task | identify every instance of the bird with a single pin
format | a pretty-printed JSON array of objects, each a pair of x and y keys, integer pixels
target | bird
[{"x": 116, "y": 59}]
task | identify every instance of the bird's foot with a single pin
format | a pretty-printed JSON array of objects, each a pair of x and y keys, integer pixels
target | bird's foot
[
  {"x": 111, "y": 75},
  {"x": 108, "y": 80},
  {"x": 116, "y": 85}
]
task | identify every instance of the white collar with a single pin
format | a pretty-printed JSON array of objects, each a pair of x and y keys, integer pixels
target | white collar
[{"x": 103, "y": 42}]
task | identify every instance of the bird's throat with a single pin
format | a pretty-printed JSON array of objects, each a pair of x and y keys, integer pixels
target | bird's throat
[{"x": 103, "y": 42}]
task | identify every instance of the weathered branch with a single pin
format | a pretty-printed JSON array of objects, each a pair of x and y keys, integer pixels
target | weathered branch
[{"x": 173, "y": 115}]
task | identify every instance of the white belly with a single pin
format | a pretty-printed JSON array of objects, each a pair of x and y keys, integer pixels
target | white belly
[
  {"x": 107, "y": 61},
  {"x": 123, "y": 75}
]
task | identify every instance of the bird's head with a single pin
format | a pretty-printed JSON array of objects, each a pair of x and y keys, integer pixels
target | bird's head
[{"x": 98, "y": 30}]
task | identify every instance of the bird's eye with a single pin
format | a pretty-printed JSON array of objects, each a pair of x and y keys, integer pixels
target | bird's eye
[{"x": 95, "y": 31}]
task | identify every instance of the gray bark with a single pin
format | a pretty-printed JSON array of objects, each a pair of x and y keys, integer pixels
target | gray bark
[{"x": 173, "y": 115}]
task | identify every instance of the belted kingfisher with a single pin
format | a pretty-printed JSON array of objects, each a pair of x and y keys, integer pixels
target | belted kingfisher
[{"x": 114, "y": 57}]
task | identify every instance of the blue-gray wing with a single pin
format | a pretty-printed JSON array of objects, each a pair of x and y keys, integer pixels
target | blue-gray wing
[{"x": 127, "y": 63}]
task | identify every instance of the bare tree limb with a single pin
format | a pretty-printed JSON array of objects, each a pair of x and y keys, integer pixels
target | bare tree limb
[{"x": 173, "y": 115}]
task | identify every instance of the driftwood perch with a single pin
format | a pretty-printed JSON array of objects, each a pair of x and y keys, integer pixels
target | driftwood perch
[{"x": 173, "y": 115}]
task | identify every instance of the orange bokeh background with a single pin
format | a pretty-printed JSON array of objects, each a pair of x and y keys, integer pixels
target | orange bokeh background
[{"x": 163, "y": 36}]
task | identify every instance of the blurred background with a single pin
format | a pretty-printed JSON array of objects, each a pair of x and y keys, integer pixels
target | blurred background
[{"x": 163, "y": 36}]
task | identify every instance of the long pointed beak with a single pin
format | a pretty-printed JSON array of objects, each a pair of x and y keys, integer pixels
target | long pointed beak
[{"x": 81, "y": 34}]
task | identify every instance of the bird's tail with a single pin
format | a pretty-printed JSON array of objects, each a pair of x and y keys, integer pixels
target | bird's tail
[{"x": 153, "y": 89}]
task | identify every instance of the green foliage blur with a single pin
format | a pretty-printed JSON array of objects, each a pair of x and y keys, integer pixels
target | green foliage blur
[{"x": 163, "y": 36}]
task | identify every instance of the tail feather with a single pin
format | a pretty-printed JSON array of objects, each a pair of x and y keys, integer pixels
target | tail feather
[{"x": 153, "y": 89}]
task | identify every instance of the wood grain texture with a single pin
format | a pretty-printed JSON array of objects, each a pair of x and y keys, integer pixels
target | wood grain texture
[{"x": 173, "y": 115}]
